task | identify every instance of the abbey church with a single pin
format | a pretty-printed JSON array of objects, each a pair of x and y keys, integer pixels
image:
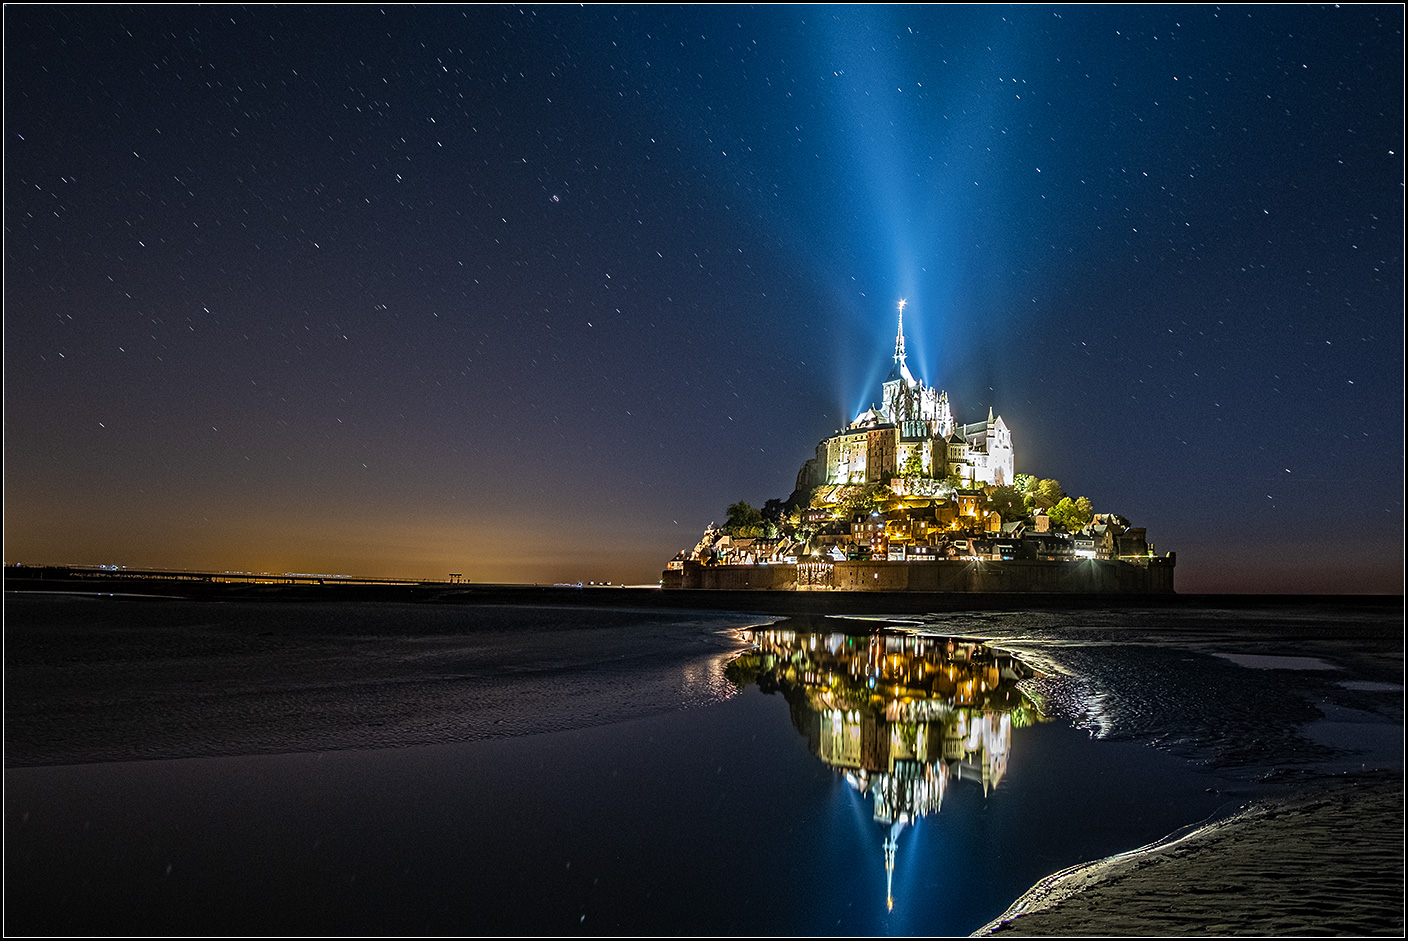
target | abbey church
[
  {"x": 912, "y": 434},
  {"x": 904, "y": 499}
]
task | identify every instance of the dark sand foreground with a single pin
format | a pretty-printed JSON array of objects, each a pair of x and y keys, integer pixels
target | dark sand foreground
[
  {"x": 1299, "y": 708},
  {"x": 1326, "y": 865},
  {"x": 1321, "y": 854}
]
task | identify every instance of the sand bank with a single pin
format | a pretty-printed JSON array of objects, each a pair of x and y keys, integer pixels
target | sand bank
[{"x": 1327, "y": 864}]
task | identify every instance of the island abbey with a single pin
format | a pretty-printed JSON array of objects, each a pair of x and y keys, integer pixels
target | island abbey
[
  {"x": 912, "y": 429},
  {"x": 905, "y": 498}
]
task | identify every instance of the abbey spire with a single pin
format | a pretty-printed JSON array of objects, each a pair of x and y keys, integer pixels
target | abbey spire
[
  {"x": 901, "y": 368},
  {"x": 899, "y": 337},
  {"x": 911, "y": 434}
]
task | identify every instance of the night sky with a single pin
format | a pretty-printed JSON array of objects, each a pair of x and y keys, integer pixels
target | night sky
[{"x": 534, "y": 294}]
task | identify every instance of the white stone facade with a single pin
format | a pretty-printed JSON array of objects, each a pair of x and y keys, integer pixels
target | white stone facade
[{"x": 920, "y": 420}]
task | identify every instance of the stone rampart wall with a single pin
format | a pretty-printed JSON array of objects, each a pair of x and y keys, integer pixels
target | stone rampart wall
[
  {"x": 1086, "y": 576},
  {"x": 733, "y": 577}
]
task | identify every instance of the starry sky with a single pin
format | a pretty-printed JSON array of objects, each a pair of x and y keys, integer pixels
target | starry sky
[{"x": 534, "y": 293}]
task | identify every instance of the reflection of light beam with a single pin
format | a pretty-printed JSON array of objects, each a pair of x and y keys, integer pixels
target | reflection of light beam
[
  {"x": 864, "y": 824},
  {"x": 914, "y": 864},
  {"x": 858, "y": 810}
]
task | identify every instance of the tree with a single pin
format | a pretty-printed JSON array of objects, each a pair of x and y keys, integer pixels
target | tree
[
  {"x": 1086, "y": 509},
  {"x": 1044, "y": 494},
  {"x": 742, "y": 516},
  {"x": 913, "y": 466},
  {"x": 1071, "y": 515},
  {"x": 1008, "y": 502},
  {"x": 795, "y": 526},
  {"x": 1063, "y": 515},
  {"x": 861, "y": 499}
]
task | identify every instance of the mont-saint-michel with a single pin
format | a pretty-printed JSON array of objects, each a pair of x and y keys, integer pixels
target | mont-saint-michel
[{"x": 907, "y": 498}]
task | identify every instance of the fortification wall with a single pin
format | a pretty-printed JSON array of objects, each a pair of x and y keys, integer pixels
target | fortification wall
[
  {"x": 733, "y": 577},
  {"x": 1086, "y": 576}
]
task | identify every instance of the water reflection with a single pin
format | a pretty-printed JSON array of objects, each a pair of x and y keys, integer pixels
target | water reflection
[{"x": 902, "y": 716}]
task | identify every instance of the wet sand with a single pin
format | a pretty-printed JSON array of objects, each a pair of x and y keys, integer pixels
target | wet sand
[
  {"x": 1331, "y": 864},
  {"x": 1311, "y": 728},
  {"x": 1298, "y": 708}
]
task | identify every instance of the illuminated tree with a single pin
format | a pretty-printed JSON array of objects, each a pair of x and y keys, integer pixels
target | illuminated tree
[
  {"x": 1086, "y": 509},
  {"x": 862, "y": 499},
  {"x": 1071, "y": 515},
  {"x": 795, "y": 526},
  {"x": 1044, "y": 494}
]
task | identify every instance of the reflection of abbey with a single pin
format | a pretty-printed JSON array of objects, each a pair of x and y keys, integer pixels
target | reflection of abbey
[
  {"x": 913, "y": 428},
  {"x": 901, "y": 717}
]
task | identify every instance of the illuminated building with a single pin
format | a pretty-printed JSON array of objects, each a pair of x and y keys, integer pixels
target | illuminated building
[
  {"x": 912, "y": 427},
  {"x": 906, "y": 499}
]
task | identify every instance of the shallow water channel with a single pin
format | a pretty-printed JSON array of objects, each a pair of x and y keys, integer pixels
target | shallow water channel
[{"x": 861, "y": 782}]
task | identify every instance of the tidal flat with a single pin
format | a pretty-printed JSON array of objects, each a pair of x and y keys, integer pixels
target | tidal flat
[{"x": 271, "y": 767}]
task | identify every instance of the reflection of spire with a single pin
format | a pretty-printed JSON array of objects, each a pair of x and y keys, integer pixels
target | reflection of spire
[
  {"x": 900, "y": 716},
  {"x": 892, "y": 843}
]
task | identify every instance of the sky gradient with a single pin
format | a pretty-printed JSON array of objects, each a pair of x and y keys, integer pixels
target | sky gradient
[{"x": 534, "y": 294}]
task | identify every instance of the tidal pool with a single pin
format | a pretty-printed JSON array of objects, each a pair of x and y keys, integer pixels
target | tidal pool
[{"x": 857, "y": 782}]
